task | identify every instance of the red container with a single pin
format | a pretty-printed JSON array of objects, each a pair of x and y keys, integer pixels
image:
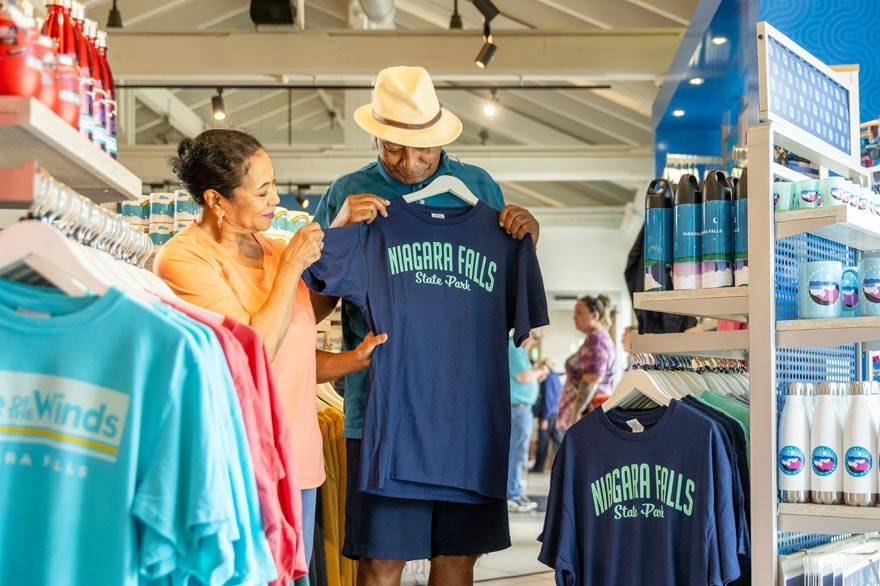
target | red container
[
  {"x": 21, "y": 71},
  {"x": 44, "y": 49},
  {"x": 69, "y": 102}
]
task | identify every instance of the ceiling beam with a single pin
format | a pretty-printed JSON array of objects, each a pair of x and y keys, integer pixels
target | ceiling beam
[
  {"x": 518, "y": 164},
  {"x": 631, "y": 54},
  {"x": 674, "y": 10},
  {"x": 171, "y": 108},
  {"x": 535, "y": 195}
]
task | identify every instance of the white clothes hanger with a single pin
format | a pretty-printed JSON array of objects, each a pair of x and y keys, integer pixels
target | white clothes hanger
[
  {"x": 443, "y": 184},
  {"x": 636, "y": 382}
]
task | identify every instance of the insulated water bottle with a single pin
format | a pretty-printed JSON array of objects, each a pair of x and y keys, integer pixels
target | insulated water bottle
[
  {"x": 842, "y": 400},
  {"x": 826, "y": 439},
  {"x": 741, "y": 231},
  {"x": 794, "y": 445},
  {"x": 717, "y": 253},
  {"x": 658, "y": 236},
  {"x": 860, "y": 449},
  {"x": 688, "y": 234}
]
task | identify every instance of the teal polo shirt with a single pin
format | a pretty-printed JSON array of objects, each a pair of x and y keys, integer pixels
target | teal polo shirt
[
  {"x": 375, "y": 179},
  {"x": 518, "y": 361}
]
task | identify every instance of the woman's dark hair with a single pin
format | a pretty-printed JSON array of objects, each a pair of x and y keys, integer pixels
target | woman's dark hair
[
  {"x": 216, "y": 159},
  {"x": 601, "y": 304}
]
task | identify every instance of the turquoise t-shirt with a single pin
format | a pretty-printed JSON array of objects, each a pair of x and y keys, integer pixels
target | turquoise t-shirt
[
  {"x": 253, "y": 563},
  {"x": 523, "y": 393},
  {"x": 112, "y": 457},
  {"x": 376, "y": 180}
]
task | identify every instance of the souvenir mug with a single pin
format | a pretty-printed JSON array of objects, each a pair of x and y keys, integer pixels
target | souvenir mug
[
  {"x": 819, "y": 290},
  {"x": 783, "y": 195},
  {"x": 869, "y": 295},
  {"x": 808, "y": 194},
  {"x": 834, "y": 191},
  {"x": 850, "y": 283}
]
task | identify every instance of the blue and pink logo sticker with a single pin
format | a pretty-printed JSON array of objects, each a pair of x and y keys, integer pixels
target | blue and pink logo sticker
[
  {"x": 791, "y": 460},
  {"x": 824, "y": 461},
  {"x": 858, "y": 462}
]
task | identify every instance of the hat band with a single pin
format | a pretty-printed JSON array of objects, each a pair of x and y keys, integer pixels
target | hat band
[{"x": 405, "y": 126}]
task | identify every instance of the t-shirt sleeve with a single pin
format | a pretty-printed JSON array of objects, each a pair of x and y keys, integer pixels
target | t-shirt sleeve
[
  {"x": 342, "y": 270},
  {"x": 559, "y": 536},
  {"x": 183, "y": 497},
  {"x": 327, "y": 207},
  {"x": 194, "y": 278},
  {"x": 529, "y": 305},
  {"x": 597, "y": 358},
  {"x": 722, "y": 535}
]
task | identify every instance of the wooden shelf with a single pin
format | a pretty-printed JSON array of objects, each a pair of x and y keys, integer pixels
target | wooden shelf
[
  {"x": 724, "y": 303},
  {"x": 843, "y": 224},
  {"x": 29, "y": 131},
  {"x": 812, "y": 518},
  {"x": 726, "y": 344},
  {"x": 813, "y": 333}
]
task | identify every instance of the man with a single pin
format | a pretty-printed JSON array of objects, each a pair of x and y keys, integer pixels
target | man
[
  {"x": 545, "y": 410},
  {"x": 410, "y": 128},
  {"x": 523, "y": 394}
]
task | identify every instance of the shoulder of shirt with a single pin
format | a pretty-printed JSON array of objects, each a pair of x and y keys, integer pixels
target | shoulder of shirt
[
  {"x": 352, "y": 182},
  {"x": 185, "y": 243}
]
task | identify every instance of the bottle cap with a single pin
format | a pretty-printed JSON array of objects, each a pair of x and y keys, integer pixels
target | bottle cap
[
  {"x": 827, "y": 389},
  {"x": 862, "y": 388},
  {"x": 717, "y": 188},
  {"x": 688, "y": 190},
  {"x": 843, "y": 389},
  {"x": 742, "y": 186},
  {"x": 659, "y": 194}
]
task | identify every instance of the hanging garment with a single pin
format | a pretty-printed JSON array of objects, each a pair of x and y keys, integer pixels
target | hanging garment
[
  {"x": 642, "y": 498},
  {"x": 122, "y": 442},
  {"x": 447, "y": 285}
]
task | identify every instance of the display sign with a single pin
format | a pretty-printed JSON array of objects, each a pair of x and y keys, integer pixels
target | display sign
[{"x": 799, "y": 89}]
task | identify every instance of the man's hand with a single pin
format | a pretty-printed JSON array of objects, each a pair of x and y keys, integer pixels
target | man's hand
[
  {"x": 518, "y": 222},
  {"x": 361, "y": 208},
  {"x": 364, "y": 351}
]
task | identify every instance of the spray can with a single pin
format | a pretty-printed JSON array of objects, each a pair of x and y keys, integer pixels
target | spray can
[
  {"x": 794, "y": 445},
  {"x": 717, "y": 253},
  {"x": 826, "y": 441},
  {"x": 658, "y": 236},
  {"x": 688, "y": 234},
  {"x": 741, "y": 231}
]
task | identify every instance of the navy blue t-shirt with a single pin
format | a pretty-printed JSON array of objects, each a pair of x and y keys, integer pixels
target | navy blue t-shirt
[
  {"x": 446, "y": 285},
  {"x": 649, "y": 508}
]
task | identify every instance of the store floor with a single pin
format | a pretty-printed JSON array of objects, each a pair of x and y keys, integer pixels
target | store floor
[{"x": 517, "y": 565}]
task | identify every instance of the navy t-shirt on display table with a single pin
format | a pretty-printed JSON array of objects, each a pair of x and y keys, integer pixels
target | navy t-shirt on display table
[
  {"x": 642, "y": 498},
  {"x": 447, "y": 285}
]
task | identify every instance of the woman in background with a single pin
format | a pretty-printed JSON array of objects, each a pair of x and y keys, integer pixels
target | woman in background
[{"x": 589, "y": 371}]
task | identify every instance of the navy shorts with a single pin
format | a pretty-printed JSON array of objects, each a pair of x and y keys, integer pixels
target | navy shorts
[{"x": 406, "y": 529}]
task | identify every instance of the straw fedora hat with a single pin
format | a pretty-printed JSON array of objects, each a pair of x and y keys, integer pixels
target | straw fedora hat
[{"x": 405, "y": 110}]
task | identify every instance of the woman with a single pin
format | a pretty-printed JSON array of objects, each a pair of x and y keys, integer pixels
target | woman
[
  {"x": 223, "y": 264},
  {"x": 589, "y": 371}
]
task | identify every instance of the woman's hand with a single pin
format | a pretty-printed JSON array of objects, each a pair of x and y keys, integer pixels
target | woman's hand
[
  {"x": 364, "y": 351},
  {"x": 518, "y": 222},
  {"x": 361, "y": 208},
  {"x": 304, "y": 248}
]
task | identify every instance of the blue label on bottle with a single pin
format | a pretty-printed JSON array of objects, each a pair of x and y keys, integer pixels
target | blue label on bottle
[
  {"x": 791, "y": 460},
  {"x": 658, "y": 249},
  {"x": 717, "y": 254}
]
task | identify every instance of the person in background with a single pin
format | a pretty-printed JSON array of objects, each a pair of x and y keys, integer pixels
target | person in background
[
  {"x": 523, "y": 394},
  {"x": 627, "y": 343},
  {"x": 589, "y": 371},
  {"x": 222, "y": 263},
  {"x": 546, "y": 409}
]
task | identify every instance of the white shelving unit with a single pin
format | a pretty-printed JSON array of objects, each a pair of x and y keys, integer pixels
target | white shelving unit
[
  {"x": 828, "y": 518},
  {"x": 29, "y": 131},
  {"x": 729, "y": 344},
  {"x": 726, "y": 303},
  {"x": 815, "y": 333},
  {"x": 843, "y": 224}
]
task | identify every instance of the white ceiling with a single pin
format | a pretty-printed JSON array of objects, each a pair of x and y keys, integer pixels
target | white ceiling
[{"x": 617, "y": 116}]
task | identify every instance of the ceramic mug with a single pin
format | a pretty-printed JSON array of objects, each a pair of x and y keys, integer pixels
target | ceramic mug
[
  {"x": 850, "y": 283},
  {"x": 869, "y": 293},
  {"x": 819, "y": 290},
  {"x": 808, "y": 195},
  {"x": 783, "y": 196},
  {"x": 834, "y": 191}
]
